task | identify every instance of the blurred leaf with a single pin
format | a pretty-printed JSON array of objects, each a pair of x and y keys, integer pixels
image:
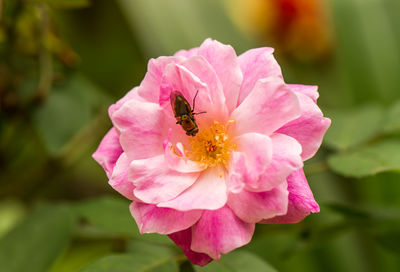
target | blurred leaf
[
  {"x": 370, "y": 160},
  {"x": 149, "y": 248},
  {"x": 66, "y": 3},
  {"x": 239, "y": 260},
  {"x": 11, "y": 212},
  {"x": 68, "y": 108},
  {"x": 354, "y": 126},
  {"x": 392, "y": 123},
  {"x": 390, "y": 240},
  {"x": 129, "y": 263},
  {"x": 109, "y": 213},
  {"x": 36, "y": 242},
  {"x": 368, "y": 213}
]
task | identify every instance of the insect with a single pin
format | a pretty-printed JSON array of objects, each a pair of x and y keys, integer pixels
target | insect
[{"x": 184, "y": 114}]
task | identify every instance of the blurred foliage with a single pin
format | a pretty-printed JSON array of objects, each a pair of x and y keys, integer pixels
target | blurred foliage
[{"x": 62, "y": 62}]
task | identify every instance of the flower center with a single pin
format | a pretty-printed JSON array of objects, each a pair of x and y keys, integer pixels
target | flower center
[{"x": 212, "y": 146}]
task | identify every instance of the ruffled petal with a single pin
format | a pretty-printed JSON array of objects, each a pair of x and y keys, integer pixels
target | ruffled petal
[
  {"x": 179, "y": 162},
  {"x": 142, "y": 129},
  {"x": 257, "y": 150},
  {"x": 152, "y": 219},
  {"x": 149, "y": 88},
  {"x": 225, "y": 62},
  {"x": 301, "y": 200},
  {"x": 252, "y": 207},
  {"x": 309, "y": 129},
  {"x": 132, "y": 94},
  {"x": 220, "y": 231},
  {"x": 310, "y": 90},
  {"x": 155, "y": 182},
  {"x": 208, "y": 192},
  {"x": 257, "y": 64},
  {"x": 119, "y": 178},
  {"x": 269, "y": 106},
  {"x": 285, "y": 159},
  {"x": 183, "y": 239},
  {"x": 187, "y": 53},
  {"x": 108, "y": 151}
]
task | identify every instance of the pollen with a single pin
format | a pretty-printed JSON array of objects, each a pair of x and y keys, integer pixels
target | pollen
[{"x": 212, "y": 146}]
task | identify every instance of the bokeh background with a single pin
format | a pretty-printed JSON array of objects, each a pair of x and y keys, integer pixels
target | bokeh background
[{"x": 63, "y": 62}]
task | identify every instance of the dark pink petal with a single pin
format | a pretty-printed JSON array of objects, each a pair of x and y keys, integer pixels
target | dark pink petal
[
  {"x": 209, "y": 192},
  {"x": 225, "y": 63},
  {"x": 285, "y": 159},
  {"x": 119, "y": 178},
  {"x": 253, "y": 207},
  {"x": 152, "y": 219},
  {"x": 155, "y": 182},
  {"x": 149, "y": 88},
  {"x": 142, "y": 129},
  {"x": 269, "y": 106},
  {"x": 257, "y": 150},
  {"x": 309, "y": 128},
  {"x": 183, "y": 239},
  {"x": 310, "y": 90},
  {"x": 301, "y": 200},
  {"x": 108, "y": 151},
  {"x": 187, "y": 53},
  {"x": 256, "y": 64},
  {"x": 220, "y": 231}
]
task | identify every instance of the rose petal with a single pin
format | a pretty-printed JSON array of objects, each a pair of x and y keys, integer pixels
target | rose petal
[
  {"x": 152, "y": 219},
  {"x": 132, "y": 94},
  {"x": 155, "y": 182},
  {"x": 309, "y": 128},
  {"x": 285, "y": 159},
  {"x": 268, "y": 107},
  {"x": 256, "y": 64},
  {"x": 220, "y": 231},
  {"x": 301, "y": 200},
  {"x": 119, "y": 178},
  {"x": 108, "y": 151},
  {"x": 183, "y": 239},
  {"x": 142, "y": 129},
  {"x": 310, "y": 90},
  {"x": 179, "y": 162},
  {"x": 224, "y": 60},
  {"x": 252, "y": 207},
  {"x": 257, "y": 151},
  {"x": 208, "y": 192},
  {"x": 187, "y": 53}
]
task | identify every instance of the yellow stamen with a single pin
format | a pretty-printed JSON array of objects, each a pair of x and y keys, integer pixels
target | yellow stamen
[{"x": 212, "y": 146}]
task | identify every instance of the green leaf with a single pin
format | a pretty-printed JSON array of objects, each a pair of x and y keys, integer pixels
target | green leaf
[
  {"x": 237, "y": 261},
  {"x": 68, "y": 108},
  {"x": 392, "y": 123},
  {"x": 35, "y": 243},
  {"x": 130, "y": 263},
  {"x": 66, "y": 3},
  {"x": 354, "y": 126},
  {"x": 381, "y": 157},
  {"x": 390, "y": 240},
  {"x": 150, "y": 248},
  {"x": 108, "y": 213}
]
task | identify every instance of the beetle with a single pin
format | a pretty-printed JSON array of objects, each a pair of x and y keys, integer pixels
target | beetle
[{"x": 184, "y": 114}]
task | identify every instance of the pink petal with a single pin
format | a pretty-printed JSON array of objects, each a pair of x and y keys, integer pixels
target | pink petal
[
  {"x": 225, "y": 63},
  {"x": 187, "y": 53},
  {"x": 119, "y": 178},
  {"x": 152, "y": 219},
  {"x": 183, "y": 239},
  {"x": 256, "y": 64},
  {"x": 252, "y": 207},
  {"x": 268, "y": 107},
  {"x": 208, "y": 192},
  {"x": 150, "y": 86},
  {"x": 301, "y": 200},
  {"x": 310, "y": 90},
  {"x": 285, "y": 159},
  {"x": 142, "y": 129},
  {"x": 220, "y": 231},
  {"x": 309, "y": 128},
  {"x": 132, "y": 94},
  {"x": 179, "y": 162},
  {"x": 257, "y": 151},
  {"x": 155, "y": 182},
  {"x": 108, "y": 151}
]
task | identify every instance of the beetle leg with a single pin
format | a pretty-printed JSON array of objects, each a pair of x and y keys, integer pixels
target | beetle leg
[{"x": 194, "y": 100}]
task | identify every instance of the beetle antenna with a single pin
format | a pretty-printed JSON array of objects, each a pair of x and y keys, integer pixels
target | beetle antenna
[
  {"x": 197, "y": 113},
  {"x": 194, "y": 100}
]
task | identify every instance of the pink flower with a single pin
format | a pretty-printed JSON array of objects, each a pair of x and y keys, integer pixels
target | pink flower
[{"x": 244, "y": 166}]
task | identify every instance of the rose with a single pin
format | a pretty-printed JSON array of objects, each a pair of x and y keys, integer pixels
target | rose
[{"x": 243, "y": 166}]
